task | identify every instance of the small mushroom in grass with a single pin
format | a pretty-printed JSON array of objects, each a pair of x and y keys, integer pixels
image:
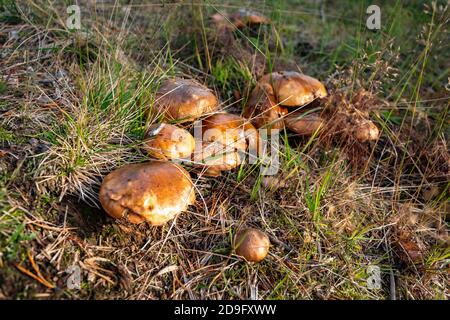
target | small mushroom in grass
[
  {"x": 303, "y": 124},
  {"x": 293, "y": 89},
  {"x": 166, "y": 142},
  {"x": 262, "y": 108},
  {"x": 184, "y": 100},
  {"x": 213, "y": 158},
  {"x": 153, "y": 191},
  {"x": 246, "y": 18},
  {"x": 252, "y": 244},
  {"x": 232, "y": 131},
  {"x": 238, "y": 20},
  {"x": 366, "y": 130}
]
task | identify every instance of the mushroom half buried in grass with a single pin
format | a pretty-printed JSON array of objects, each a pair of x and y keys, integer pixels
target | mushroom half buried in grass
[
  {"x": 303, "y": 123},
  {"x": 262, "y": 109},
  {"x": 252, "y": 244},
  {"x": 166, "y": 142},
  {"x": 232, "y": 131},
  {"x": 246, "y": 18},
  {"x": 213, "y": 157},
  {"x": 366, "y": 130},
  {"x": 183, "y": 100},
  {"x": 153, "y": 191}
]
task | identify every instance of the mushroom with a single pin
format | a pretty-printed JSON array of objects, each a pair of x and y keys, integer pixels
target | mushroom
[
  {"x": 246, "y": 18},
  {"x": 232, "y": 131},
  {"x": 252, "y": 244},
  {"x": 165, "y": 141},
  {"x": 262, "y": 108},
  {"x": 214, "y": 157},
  {"x": 303, "y": 123},
  {"x": 293, "y": 89},
  {"x": 238, "y": 20},
  {"x": 366, "y": 130},
  {"x": 184, "y": 100},
  {"x": 153, "y": 191}
]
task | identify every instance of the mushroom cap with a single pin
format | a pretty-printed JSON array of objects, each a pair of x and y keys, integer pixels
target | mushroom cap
[
  {"x": 294, "y": 89},
  {"x": 165, "y": 141},
  {"x": 262, "y": 109},
  {"x": 184, "y": 100},
  {"x": 252, "y": 244},
  {"x": 366, "y": 130},
  {"x": 214, "y": 157},
  {"x": 153, "y": 191},
  {"x": 303, "y": 124},
  {"x": 244, "y": 17},
  {"x": 232, "y": 131}
]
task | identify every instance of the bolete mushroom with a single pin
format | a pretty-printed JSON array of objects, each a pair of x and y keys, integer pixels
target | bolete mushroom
[
  {"x": 252, "y": 244},
  {"x": 293, "y": 89},
  {"x": 366, "y": 130},
  {"x": 153, "y": 191},
  {"x": 165, "y": 141},
  {"x": 303, "y": 123},
  {"x": 246, "y": 18},
  {"x": 213, "y": 158},
  {"x": 183, "y": 100},
  {"x": 263, "y": 110},
  {"x": 231, "y": 131}
]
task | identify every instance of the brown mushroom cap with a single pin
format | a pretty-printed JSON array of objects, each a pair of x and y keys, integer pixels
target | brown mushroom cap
[
  {"x": 165, "y": 141},
  {"x": 184, "y": 100},
  {"x": 294, "y": 89},
  {"x": 303, "y": 124},
  {"x": 262, "y": 109},
  {"x": 252, "y": 244},
  {"x": 244, "y": 17},
  {"x": 154, "y": 191},
  {"x": 366, "y": 130},
  {"x": 214, "y": 157},
  {"x": 230, "y": 130}
]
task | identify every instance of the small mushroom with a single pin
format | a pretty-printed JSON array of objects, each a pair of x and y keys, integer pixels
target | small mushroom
[
  {"x": 246, "y": 18},
  {"x": 303, "y": 124},
  {"x": 366, "y": 130},
  {"x": 262, "y": 109},
  {"x": 153, "y": 191},
  {"x": 184, "y": 100},
  {"x": 165, "y": 141},
  {"x": 252, "y": 244},
  {"x": 294, "y": 89},
  {"x": 213, "y": 158}
]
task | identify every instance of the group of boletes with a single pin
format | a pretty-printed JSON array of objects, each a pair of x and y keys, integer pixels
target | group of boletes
[{"x": 158, "y": 190}]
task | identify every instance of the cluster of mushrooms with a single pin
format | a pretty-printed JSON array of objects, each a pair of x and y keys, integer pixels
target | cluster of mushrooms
[{"x": 158, "y": 190}]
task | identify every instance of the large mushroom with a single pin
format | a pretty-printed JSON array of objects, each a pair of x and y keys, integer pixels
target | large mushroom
[
  {"x": 165, "y": 141},
  {"x": 154, "y": 191},
  {"x": 252, "y": 244},
  {"x": 184, "y": 100}
]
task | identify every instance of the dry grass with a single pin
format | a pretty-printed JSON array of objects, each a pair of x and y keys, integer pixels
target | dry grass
[{"x": 74, "y": 109}]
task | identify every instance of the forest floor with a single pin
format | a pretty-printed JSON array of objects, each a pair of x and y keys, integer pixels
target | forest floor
[{"x": 73, "y": 105}]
